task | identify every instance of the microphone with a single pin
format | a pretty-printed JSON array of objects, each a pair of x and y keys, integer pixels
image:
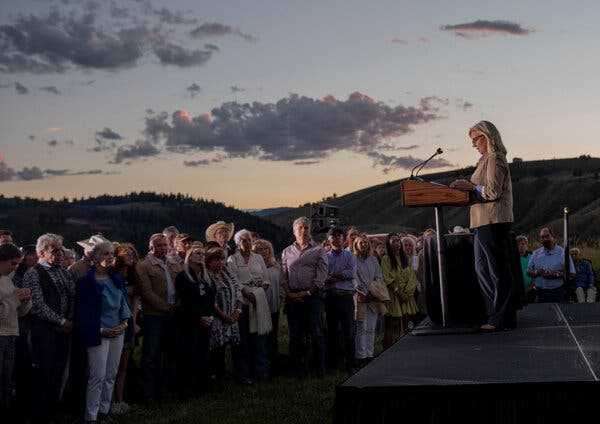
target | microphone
[{"x": 420, "y": 166}]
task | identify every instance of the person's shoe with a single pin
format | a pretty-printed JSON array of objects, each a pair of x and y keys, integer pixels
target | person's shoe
[
  {"x": 488, "y": 328},
  {"x": 120, "y": 408},
  {"x": 105, "y": 419}
]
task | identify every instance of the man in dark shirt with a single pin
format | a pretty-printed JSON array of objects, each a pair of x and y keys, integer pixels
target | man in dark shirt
[{"x": 339, "y": 301}]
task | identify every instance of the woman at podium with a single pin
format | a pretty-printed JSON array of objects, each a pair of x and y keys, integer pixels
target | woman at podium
[{"x": 491, "y": 216}]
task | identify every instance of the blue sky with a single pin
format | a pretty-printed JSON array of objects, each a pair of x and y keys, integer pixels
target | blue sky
[{"x": 529, "y": 67}]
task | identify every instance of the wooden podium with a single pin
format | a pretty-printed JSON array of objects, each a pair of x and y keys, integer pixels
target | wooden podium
[{"x": 418, "y": 193}]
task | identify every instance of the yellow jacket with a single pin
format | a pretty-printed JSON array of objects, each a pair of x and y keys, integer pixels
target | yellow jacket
[{"x": 402, "y": 284}]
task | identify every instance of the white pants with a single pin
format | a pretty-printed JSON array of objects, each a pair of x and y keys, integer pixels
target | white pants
[
  {"x": 365, "y": 335},
  {"x": 103, "y": 363},
  {"x": 584, "y": 295}
]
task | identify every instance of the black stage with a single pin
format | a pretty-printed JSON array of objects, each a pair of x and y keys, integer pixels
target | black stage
[{"x": 546, "y": 369}]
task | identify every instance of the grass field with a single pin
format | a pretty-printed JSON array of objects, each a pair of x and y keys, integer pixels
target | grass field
[{"x": 281, "y": 400}]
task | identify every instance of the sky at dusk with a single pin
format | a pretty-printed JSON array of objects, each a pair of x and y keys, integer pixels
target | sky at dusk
[{"x": 276, "y": 103}]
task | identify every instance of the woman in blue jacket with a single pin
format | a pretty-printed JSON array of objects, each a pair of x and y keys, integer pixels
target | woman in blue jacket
[{"x": 102, "y": 314}]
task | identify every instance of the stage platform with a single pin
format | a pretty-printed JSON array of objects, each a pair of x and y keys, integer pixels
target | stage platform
[{"x": 544, "y": 370}]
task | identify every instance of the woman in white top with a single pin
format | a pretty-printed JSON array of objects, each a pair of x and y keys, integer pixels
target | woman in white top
[
  {"x": 255, "y": 322},
  {"x": 368, "y": 308},
  {"x": 274, "y": 293},
  {"x": 409, "y": 244}
]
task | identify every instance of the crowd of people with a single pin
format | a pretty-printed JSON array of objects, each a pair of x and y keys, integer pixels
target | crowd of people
[{"x": 68, "y": 326}]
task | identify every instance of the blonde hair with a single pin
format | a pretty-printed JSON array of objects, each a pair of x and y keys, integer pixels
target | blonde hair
[
  {"x": 492, "y": 136},
  {"x": 266, "y": 244},
  {"x": 355, "y": 249},
  {"x": 412, "y": 240},
  {"x": 186, "y": 263}
]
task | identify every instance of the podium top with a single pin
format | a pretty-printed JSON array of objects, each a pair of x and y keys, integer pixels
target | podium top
[{"x": 418, "y": 193}]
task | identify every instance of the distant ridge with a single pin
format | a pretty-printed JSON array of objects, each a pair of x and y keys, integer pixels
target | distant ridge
[
  {"x": 270, "y": 211},
  {"x": 132, "y": 217}
]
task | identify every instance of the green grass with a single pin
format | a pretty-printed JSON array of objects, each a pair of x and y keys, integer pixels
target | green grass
[{"x": 283, "y": 400}]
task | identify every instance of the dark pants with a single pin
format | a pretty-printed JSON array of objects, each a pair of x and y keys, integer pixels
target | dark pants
[
  {"x": 217, "y": 361},
  {"x": 273, "y": 343},
  {"x": 50, "y": 356},
  {"x": 339, "y": 308},
  {"x": 74, "y": 396},
  {"x": 556, "y": 295},
  {"x": 253, "y": 349},
  {"x": 24, "y": 378},
  {"x": 8, "y": 348},
  {"x": 158, "y": 359},
  {"x": 304, "y": 321},
  {"x": 492, "y": 265},
  {"x": 192, "y": 359}
]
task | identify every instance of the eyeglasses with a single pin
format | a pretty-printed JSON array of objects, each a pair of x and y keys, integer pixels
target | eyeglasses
[{"x": 476, "y": 139}]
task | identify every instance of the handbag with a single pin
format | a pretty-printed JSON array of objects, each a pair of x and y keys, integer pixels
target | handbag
[{"x": 379, "y": 291}]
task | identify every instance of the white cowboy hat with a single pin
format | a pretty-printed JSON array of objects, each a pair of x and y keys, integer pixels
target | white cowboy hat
[
  {"x": 460, "y": 230},
  {"x": 92, "y": 241},
  {"x": 212, "y": 230}
]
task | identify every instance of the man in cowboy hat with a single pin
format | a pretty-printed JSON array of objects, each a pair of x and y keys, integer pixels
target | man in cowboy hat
[
  {"x": 221, "y": 232},
  {"x": 80, "y": 268}
]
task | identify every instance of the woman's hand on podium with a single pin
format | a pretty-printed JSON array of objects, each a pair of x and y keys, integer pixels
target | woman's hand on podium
[{"x": 463, "y": 184}]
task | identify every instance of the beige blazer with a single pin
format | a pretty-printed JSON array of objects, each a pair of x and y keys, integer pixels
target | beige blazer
[
  {"x": 493, "y": 175},
  {"x": 153, "y": 285}
]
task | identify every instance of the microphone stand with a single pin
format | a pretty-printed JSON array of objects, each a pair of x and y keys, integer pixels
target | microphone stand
[{"x": 420, "y": 166}]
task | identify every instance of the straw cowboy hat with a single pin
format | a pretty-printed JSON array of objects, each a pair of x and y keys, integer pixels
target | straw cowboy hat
[
  {"x": 92, "y": 241},
  {"x": 212, "y": 230}
]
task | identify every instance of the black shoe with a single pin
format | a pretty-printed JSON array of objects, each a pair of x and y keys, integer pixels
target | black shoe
[
  {"x": 105, "y": 419},
  {"x": 488, "y": 328}
]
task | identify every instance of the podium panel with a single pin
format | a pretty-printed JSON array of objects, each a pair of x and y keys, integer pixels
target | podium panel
[
  {"x": 418, "y": 193},
  {"x": 464, "y": 301}
]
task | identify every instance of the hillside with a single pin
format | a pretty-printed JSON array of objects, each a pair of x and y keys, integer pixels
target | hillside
[
  {"x": 133, "y": 217},
  {"x": 541, "y": 189}
]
